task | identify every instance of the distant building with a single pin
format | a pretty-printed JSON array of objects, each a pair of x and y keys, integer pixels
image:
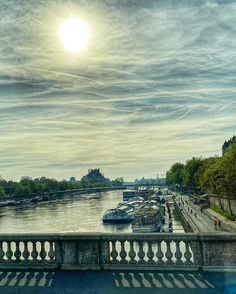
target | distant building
[
  {"x": 95, "y": 176},
  {"x": 227, "y": 144},
  {"x": 143, "y": 181},
  {"x": 72, "y": 180}
]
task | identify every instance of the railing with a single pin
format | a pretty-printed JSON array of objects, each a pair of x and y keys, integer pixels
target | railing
[
  {"x": 24, "y": 251},
  {"x": 118, "y": 251},
  {"x": 151, "y": 250}
]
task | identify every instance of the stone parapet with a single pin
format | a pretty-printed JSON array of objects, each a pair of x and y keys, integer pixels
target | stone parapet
[{"x": 118, "y": 251}]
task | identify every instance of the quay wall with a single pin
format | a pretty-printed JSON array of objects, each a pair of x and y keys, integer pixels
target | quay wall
[
  {"x": 215, "y": 202},
  {"x": 60, "y": 194},
  {"x": 186, "y": 222}
]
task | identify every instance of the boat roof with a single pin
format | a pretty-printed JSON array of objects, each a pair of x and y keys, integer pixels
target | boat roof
[
  {"x": 115, "y": 211},
  {"x": 147, "y": 210}
]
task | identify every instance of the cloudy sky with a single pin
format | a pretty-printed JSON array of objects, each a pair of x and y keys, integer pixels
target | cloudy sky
[{"x": 155, "y": 85}]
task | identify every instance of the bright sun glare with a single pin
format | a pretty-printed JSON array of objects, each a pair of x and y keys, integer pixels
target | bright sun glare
[{"x": 74, "y": 34}]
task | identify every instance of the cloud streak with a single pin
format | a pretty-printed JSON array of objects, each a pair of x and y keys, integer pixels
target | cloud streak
[{"x": 156, "y": 85}]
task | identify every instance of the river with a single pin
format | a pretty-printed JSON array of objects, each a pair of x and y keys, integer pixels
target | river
[{"x": 82, "y": 213}]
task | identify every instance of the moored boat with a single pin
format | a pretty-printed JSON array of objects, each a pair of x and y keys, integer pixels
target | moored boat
[
  {"x": 127, "y": 195},
  {"x": 148, "y": 219},
  {"x": 117, "y": 216}
]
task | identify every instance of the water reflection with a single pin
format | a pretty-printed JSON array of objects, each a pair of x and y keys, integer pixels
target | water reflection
[
  {"x": 81, "y": 213},
  {"x": 74, "y": 214}
]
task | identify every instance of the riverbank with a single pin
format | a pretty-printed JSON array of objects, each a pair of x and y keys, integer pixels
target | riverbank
[{"x": 52, "y": 196}]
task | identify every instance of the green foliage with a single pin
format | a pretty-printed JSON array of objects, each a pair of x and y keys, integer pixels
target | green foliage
[
  {"x": 2, "y": 192},
  {"x": 191, "y": 173},
  {"x": 206, "y": 169},
  {"x": 214, "y": 175},
  {"x": 28, "y": 187},
  {"x": 219, "y": 177},
  {"x": 224, "y": 213},
  {"x": 117, "y": 182},
  {"x": 175, "y": 175},
  {"x": 228, "y": 169}
]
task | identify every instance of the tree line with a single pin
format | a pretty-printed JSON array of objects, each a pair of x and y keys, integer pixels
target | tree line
[
  {"x": 28, "y": 186},
  {"x": 213, "y": 175}
]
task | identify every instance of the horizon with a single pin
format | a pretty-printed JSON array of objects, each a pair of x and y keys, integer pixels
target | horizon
[
  {"x": 78, "y": 178},
  {"x": 154, "y": 86}
]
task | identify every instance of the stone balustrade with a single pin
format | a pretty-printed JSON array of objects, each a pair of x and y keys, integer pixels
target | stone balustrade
[{"x": 118, "y": 251}]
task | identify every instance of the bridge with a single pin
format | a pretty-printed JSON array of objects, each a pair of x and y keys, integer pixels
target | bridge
[
  {"x": 118, "y": 259},
  {"x": 133, "y": 185}
]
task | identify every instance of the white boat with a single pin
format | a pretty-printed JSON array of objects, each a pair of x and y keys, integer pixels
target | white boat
[
  {"x": 126, "y": 207},
  {"x": 117, "y": 216},
  {"x": 148, "y": 219},
  {"x": 127, "y": 195}
]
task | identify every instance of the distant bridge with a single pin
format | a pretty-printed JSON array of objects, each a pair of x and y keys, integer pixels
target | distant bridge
[{"x": 144, "y": 185}]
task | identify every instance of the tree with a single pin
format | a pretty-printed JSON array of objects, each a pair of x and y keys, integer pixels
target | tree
[
  {"x": 191, "y": 174},
  {"x": 118, "y": 182},
  {"x": 2, "y": 192},
  {"x": 228, "y": 171},
  {"x": 211, "y": 179},
  {"x": 175, "y": 175},
  {"x": 219, "y": 177}
]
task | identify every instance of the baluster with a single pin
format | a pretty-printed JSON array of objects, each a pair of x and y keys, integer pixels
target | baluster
[
  {"x": 1, "y": 252},
  {"x": 9, "y": 252},
  {"x": 159, "y": 254},
  {"x": 43, "y": 252},
  {"x": 178, "y": 253},
  {"x": 51, "y": 253},
  {"x": 169, "y": 253},
  {"x": 114, "y": 253},
  {"x": 141, "y": 253},
  {"x": 34, "y": 252},
  {"x": 187, "y": 254},
  {"x": 123, "y": 253},
  {"x": 17, "y": 252},
  {"x": 132, "y": 253},
  {"x": 26, "y": 253},
  {"x": 150, "y": 253}
]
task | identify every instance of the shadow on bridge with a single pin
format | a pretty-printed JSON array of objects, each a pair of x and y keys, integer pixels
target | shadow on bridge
[{"x": 90, "y": 282}]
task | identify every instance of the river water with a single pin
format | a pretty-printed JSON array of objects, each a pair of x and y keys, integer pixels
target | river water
[{"x": 82, "y": 213}]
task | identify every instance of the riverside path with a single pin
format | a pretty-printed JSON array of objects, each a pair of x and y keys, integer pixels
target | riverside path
[{"x": 204, "y": 221}]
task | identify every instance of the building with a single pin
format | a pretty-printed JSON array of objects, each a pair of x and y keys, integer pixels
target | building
[
  {"x": 144, "y": 181},
  {"x": 95, "y": 176},
  {"x": 72, "y": 180}
]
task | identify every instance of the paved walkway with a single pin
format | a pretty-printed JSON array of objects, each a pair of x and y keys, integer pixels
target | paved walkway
[
  {"x": 112, "y": 282},
  {"x": 204, "y": 221},
  {"x": 230, "y": 224}
]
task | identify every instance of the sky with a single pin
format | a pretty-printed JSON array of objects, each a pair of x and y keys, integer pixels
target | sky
[{"x": 155, "y": 85}]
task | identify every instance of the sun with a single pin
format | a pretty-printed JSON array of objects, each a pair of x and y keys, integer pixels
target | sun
[{"x": 74, "y": 34}]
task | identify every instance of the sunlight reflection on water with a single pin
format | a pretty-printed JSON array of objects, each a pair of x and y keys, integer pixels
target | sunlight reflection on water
[{"x": 77, "y": 214}]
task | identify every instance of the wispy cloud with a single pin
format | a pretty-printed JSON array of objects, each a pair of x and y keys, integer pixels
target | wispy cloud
[{"x": 155, "y": 85}]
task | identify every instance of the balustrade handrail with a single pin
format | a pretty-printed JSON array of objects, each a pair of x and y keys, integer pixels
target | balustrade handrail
[
  {"x": 123, "y": 251},
  {"x": 91, "y": 235}
]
